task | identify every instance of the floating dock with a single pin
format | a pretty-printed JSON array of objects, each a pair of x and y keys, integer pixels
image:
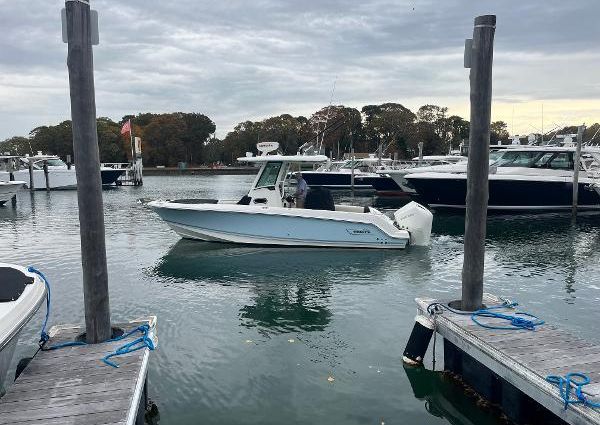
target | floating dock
[
  {"x": 519, "y": 362},
  {"x": 72, "y": 385}
]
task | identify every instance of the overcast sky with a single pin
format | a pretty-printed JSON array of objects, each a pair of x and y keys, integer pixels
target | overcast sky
[{"x": 236, "y": 60}]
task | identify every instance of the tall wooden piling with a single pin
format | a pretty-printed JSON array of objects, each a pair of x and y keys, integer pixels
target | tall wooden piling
[
  {"x": 46, "y": 175},
  {"x": 481, "y": 54},
  {"x": 89, "y": 182},
  {"x": 31, "y": 183},
  {"x": 576, "y": 165}
]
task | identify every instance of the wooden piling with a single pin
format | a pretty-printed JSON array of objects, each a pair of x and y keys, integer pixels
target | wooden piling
[
  {"x": 69, "y": 163},
  {"x": 31, "y": 183},
  {"x": 89, "y": 182},
  {"x": 46, "y": 175},
  {"x": 352, "y": 170},
  {"x": 576, "y": 165},
  {"x": 478, "y": 165}
]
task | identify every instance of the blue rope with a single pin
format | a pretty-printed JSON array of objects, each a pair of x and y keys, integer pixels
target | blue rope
[
  {"x": 44, "y": 337},
  {"x": 565, "y": 384},
  {"x": 519, "y": 320},
  {"x": 144, "y": 341}
]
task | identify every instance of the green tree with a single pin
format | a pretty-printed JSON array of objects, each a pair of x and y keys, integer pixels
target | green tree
[
  {"x": 389, "y": 124},
  {"x": 16, "y": 145},
  {"x": 498, "y": 132}
]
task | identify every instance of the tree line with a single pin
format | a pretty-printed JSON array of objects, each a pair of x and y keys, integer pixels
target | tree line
[{"x": 167, "y": 139}]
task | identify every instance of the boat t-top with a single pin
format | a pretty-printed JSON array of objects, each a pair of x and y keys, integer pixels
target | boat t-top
[{"x": 268, "y": 215}]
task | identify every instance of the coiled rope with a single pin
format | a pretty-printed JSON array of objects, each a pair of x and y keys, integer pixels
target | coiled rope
[
  {"x": 520, "y": 320},
  {"x": 146, "y": 340},
  {"x": 574, "y": 380}
]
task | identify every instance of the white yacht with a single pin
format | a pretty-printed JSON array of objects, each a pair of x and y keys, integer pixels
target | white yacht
[
  {"x": 8, "y": 190},
  {"x": 521, "y": 178},
  {"x": 338, "y": 174},
  {"x": 60, "y": 175},
  {"x": 267, "y": 215},
  {"x": 393, "y": 181},
  {"x": 21, "y": 295}
]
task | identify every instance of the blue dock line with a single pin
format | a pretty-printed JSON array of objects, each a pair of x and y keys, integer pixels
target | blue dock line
[
  {"x": 520, "y": 320},
  {"x": 565, "y": 384},
  {"x": 142, "y": 342}
]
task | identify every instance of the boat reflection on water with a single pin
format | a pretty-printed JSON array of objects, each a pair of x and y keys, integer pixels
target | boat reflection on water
[
  {"x": 445, "y": 398},
  {"x": 291, "y": 288}
]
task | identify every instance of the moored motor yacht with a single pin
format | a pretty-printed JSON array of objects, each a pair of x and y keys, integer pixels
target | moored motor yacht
[
  {"x": 8, "y": 190},
  {"x": 338, "y": 174},
  {"x": 21, "y": 294},
  {"x": 533, "y": 178},
  {"x": 267, "y": 215},
  {"x": 391, "y": 180},
  {"x": 60, "y": 175}
]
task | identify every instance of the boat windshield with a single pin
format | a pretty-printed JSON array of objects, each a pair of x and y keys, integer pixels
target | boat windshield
[
  {"x": 536, "y": 159},
  {"x": 269, "y": 176},
  {"x": 356, "y": 164},
  {"x": 56, "y": 162}
]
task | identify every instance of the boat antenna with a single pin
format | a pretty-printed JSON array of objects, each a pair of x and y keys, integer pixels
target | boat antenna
[{"x": 320, "y": 144}]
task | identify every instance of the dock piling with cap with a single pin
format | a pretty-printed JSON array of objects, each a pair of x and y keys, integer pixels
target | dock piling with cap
[{"x": 510, "y": 358}]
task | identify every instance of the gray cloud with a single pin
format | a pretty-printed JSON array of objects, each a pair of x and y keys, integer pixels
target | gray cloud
[{"x": 239, "y": 60}]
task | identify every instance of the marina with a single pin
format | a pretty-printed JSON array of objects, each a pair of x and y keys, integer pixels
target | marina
[
  {"x": 285, "y": 286},
  {"x": 339, "y": 306}
]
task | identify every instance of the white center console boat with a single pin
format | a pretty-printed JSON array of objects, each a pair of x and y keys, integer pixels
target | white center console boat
[{"x": 267, "y": 215}]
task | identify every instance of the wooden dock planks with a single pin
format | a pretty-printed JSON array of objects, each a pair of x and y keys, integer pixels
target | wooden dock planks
[
  {"x": 524, "y": 358},
  {"x": 72, "y": 385}
]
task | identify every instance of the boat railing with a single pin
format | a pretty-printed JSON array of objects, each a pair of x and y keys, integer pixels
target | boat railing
[{"x": 116, "y": 165}]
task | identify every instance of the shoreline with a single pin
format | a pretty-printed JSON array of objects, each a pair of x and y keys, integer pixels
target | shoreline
[{"x": 204, "y": 171}]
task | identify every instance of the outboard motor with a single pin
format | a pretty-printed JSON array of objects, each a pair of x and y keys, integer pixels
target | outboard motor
[{"x": 417, "y": 220}]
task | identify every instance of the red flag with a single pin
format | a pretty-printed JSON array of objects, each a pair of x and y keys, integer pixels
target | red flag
[{"x": 126, "y": 127}]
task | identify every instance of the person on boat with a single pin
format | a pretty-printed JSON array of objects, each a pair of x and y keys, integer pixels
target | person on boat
[{"x": 301, "y": 188}]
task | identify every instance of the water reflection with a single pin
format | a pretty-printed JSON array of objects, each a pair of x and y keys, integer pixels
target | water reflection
[
  {"x": 290, "y": 288},
  {"x": 444, "y": 398}
]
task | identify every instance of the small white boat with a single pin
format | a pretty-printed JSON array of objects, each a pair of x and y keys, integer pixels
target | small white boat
[
  {"x": 21, "y": 294},
  {"x": 267, "y": 215},
  {"x": 8, "y": 190}
]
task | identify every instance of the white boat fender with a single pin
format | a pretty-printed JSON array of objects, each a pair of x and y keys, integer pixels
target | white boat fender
[{"x": 417, "y": 220}]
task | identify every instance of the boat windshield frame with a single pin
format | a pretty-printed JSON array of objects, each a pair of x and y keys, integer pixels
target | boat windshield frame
[
  {"x": 268, "y": 172},
  {"x": 534, "y": 159}
]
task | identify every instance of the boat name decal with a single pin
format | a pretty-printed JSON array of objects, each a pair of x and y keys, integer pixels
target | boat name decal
[{"x": 358, "y": 231}]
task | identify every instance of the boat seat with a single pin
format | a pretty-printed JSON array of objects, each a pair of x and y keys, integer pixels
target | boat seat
[
  {"x": 12, "y": 283},
  {"x": 319, "y": 198}
]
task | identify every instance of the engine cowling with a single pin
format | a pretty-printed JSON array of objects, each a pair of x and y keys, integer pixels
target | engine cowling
[{"x": 417, "y": 220}]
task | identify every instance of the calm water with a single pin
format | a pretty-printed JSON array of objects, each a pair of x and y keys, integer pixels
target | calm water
[{"x": 251, "y": 335}]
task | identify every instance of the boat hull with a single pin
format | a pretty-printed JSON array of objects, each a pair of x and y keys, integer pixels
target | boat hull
[
  {"x": 8, "y": 190},
  {"x": 58, "y": 179},
  {"x": 384, "y": 185},
  {"x": 506, "y": 194},
  {"x": 281, "y": 226},
  {"x": 16, "y": 313},
  {"x": 334, "y": 180},
  {"x": 110, "y": 176}
]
